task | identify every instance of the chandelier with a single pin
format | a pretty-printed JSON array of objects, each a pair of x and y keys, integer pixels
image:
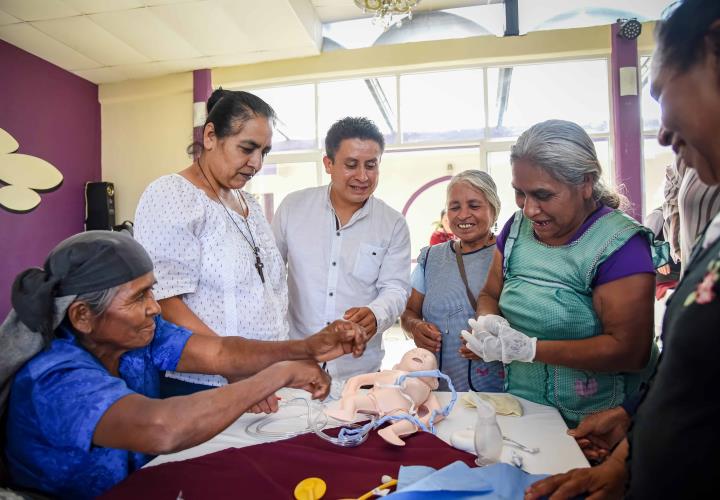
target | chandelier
[{"x": 388, "y": 13}]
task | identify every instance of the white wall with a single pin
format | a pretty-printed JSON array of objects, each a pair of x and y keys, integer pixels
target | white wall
[{"x": 146, "y": 126}]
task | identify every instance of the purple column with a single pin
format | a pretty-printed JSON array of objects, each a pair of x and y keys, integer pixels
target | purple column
[
  {"x": 202, "y": 88},
  {"x": 627, "y": 124}
]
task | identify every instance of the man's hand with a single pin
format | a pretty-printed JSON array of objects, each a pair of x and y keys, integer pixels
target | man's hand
[
  {"x": 338, "y": 338},
  {"x": 427, "y": 336},
  {"x": 598, "y": 433},
  {"x": 604, "y": 481},
  {"x": 364, "y": 317},
  {"x": 307, "y": 375},
  {"x": 268, "y": 405}
]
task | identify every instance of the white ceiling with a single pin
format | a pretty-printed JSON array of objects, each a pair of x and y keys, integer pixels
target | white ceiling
[{"x": 114, "y": 40}]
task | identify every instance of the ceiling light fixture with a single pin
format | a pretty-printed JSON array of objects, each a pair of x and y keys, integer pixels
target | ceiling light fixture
[{"x": 388, "y": 13}]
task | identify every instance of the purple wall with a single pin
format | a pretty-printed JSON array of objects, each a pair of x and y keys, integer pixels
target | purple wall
[{"x": 54, "y": 115}]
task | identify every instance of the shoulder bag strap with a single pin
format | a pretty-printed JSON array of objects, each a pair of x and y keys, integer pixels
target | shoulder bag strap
[{"x": 463, "y": 275}]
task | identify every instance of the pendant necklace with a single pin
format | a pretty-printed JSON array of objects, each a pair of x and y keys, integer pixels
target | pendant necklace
[{"x": 250, "y": 241}]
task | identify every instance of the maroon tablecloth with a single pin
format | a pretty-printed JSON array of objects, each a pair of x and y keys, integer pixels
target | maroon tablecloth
[{"x": 271, "y": 470}]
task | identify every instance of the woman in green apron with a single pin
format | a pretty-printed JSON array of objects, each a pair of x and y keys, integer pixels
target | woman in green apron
[{"x": 573, "y": 276}]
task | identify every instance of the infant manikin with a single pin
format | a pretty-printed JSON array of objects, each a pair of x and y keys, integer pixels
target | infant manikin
[{"x": 386, "y": 398}]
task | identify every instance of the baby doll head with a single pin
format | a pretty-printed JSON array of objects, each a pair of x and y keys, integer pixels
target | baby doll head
[{"x": 419, "y": 359}]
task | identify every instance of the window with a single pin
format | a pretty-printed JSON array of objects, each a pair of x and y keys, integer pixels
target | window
[
  {"x": 462, "y": 22},
  {"x": 559, "y": 14},
  {"x": 295, "y": 110},
  {"x": 424, "y": 196},
  {"x": 499, "y": 168},
  {"x": 275, "y": 181},
  {"x": 657, "y": 157},
  {"x": 435, "y": 125},
  {"x": 520, "y": 96},
  {"x": 446, "y": 106},
  {"x": 649, "y": 107},
  {"x": 372, "y": 97}
]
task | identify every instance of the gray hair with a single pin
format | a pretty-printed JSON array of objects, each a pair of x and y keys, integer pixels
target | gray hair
[
  {"x": 99, "y": 301},
  {"x": 566, "y": 152},
  {"x": 480, "y": 181}
]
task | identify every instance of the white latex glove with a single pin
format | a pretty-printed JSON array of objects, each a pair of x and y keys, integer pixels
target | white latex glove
[
  {"x": 485, "y": 328},
  {"x": 507, "y": 346},
  {"x": 516, "y": 346},
  {"x": 492, "y": 349},
  {"x": 489, "y": 323},
  {"x": 486, "y": 345},
  {"x": 474, "y": 343}
]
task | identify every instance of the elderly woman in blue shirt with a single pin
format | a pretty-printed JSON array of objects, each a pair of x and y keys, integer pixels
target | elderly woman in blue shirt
[{"x": 83, "y": 411}]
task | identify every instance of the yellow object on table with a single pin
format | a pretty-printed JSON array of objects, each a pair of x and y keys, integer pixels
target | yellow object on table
[
  {"x": 504, "y": 404},
  {"x": 312, "y": 488}
]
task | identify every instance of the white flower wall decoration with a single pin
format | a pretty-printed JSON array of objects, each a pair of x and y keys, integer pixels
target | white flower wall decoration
[{"x": 23, "y": 176}]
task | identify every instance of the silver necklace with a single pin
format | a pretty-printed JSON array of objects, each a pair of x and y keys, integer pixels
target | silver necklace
[{"x": 250, "y": 241}]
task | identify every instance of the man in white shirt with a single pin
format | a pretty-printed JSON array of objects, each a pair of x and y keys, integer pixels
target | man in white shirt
[{"x": 348, "y": 253}]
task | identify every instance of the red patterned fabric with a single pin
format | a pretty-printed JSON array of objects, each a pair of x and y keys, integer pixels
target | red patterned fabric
[
  {"x": 271, "y": 470},
  {"x": 440, "y": 236},
  {"x": 662, "y": 288}
]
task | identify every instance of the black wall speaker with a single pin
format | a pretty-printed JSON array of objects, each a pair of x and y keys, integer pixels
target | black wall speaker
[{"x": 99, "y": 205}]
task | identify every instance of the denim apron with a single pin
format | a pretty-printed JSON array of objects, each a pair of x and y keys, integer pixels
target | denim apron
[{"x": 446, "y": 305}]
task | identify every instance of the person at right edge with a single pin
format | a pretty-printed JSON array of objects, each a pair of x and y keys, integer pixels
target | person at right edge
[{"x": 672, "y": 444}]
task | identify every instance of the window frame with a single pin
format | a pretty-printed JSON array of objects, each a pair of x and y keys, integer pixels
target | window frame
[{"x": 484, "y": 145}]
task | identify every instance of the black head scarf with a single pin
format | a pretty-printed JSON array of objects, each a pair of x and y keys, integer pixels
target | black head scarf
[{"x": 87, "y": 262}]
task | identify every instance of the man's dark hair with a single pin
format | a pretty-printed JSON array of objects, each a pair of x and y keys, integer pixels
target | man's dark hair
[
  {"x": 352, "y": 128},
  {"x": 681, "y": 36}
]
